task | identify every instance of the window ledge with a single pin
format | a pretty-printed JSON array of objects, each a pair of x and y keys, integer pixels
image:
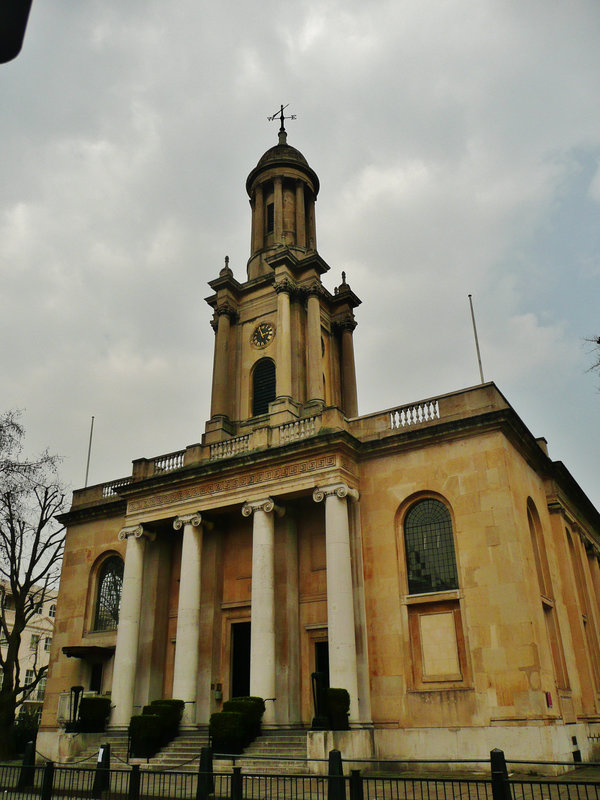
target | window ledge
[{"x": 432, "y": 597}]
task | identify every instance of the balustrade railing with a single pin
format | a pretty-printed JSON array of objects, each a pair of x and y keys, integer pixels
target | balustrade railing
[
  {"x": 407, "y": 416},
  {"x": 112, "y": 489},
  {"x": 230, "y": 447},
  {"x": 299, "y": 429},
  {"x": 169, "y": 462}
]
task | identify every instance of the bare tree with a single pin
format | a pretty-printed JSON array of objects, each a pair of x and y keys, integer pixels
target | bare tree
[
  {"x": 31, "y": 547},
  {"x": 595, "y": 342}
]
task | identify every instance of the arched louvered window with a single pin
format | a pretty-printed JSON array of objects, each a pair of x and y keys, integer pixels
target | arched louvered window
[
  {"x": 429, "y": 545},
  {"x": 110, "y": 584},
  {"x": 263, "y": 386}
]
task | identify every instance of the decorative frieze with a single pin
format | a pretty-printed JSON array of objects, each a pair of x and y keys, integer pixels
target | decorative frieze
[{"x": 248, "y": 479}]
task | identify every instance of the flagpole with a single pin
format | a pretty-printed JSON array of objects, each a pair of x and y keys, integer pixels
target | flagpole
[
  {"x": 87, "y": 468},
  {"x": 476, "y": 339}
]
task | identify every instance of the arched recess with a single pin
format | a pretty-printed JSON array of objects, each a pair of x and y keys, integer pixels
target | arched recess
[
  {"x": 544, "y": 579},
  {"x": 430, "y": 577},
  {"x": 263, "y": 386},
  {"x": 107, "y": 581}
]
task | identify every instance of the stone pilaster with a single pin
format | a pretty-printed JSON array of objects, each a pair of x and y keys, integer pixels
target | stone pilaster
[
  {"x": 125, "y": 663},
  {"x": 220, "y": 401},
  {"x": 343, "y": 664},
  {"x": 262, "y": 643}
]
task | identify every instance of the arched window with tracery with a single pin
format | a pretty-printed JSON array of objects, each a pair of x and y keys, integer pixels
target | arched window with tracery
[
  {"x": 263, "y": 386},
  {"x": 108, "y": 597},
  {"x": 429, "y": 548}
]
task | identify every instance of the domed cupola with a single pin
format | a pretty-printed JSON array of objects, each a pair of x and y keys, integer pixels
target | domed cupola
[{"x": 282, "y": 190}]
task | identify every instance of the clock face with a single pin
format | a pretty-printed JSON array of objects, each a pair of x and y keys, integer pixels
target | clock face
[{"x": 263, "y": 334}]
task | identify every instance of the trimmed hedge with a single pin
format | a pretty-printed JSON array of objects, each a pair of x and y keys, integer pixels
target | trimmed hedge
[
  {"x": 337, "y": 706},
  {"x": 170, "y": 713},
  {"x": 227, "y": 732},
  {"x": 145, "y": 731},
  {"x": 252, "y": 710},
  {"x": 92, "y": 716},
  {"x": 93, "y": 713}
]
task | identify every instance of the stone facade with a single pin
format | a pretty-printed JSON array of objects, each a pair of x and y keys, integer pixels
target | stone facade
[{"x": 431, "y": 557}]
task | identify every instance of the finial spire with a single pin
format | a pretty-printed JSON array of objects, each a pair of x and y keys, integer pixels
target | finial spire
[{"x": 281, "y": 116}]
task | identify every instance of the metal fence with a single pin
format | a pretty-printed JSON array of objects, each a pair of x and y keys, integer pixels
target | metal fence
[{"x": 50, "y": 781}]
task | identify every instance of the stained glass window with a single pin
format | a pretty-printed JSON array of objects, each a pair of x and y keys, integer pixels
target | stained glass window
[
  {"x": 429, "y": 544},
  {"x": 110, "y": 583}
]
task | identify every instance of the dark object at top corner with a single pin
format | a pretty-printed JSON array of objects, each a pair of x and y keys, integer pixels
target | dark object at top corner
[{"x": 13, "y": 21}]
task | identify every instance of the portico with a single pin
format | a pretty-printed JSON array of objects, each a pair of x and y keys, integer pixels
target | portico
[{"x": 269, "y": 530}]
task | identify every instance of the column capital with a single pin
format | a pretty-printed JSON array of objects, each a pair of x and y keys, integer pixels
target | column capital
[
  {"x": 347, "y": 323},
  {"x": 285, "y": 285},
  {"x": 339, "y": 489},
  {"x": 226, "y": 309},
  {"x": 195, "y": 519},
  {"x": 267, "y": 505},
  {"x": 137, "y": 531}
]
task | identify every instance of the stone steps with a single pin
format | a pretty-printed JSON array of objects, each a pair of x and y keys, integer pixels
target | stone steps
[{"x": 282, "y": 751}]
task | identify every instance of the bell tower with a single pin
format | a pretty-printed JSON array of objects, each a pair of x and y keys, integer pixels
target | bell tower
[{"x": 283, "y": 343}]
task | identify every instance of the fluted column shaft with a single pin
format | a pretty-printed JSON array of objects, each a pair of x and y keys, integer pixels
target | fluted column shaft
[
  {"x": 258, "y": 220},
  {"x": 278, "y": 201},
  {"x": 221, "y": 364},
  {"x": 300, "y": 215},
  {"x": 350, "y": 397},
  {"x": 262, "y": 641},
  {"x": 128, "y": 632},
  {"x": 284, "y": 337},
  {"x": 315, "y": 374},
  {"x": 185, "y": 673},
  {"x": 343, "y": 664}
]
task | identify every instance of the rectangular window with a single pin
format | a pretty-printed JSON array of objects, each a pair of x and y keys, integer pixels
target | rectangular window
[
  {"x": 29, "y": 676},
  {"x": 47, "y": 643},
  {"x": 34, "y": 641},
  {"x": 41, "y": 689},
  {"x": 270, "y": 217}
]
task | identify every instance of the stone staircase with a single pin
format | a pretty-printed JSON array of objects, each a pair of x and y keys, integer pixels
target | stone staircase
[{"x": 282, "y": 750}]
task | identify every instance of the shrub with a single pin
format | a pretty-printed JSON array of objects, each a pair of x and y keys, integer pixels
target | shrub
[
  {"x": 227, "y": 732},
  {"x": 170, "y": 713},
  {"x": 337, "y": 706},
  {"x": 145, "y": 732},
  {"x": 93, "y": 713},
  {"x": 251, "y": 709}
]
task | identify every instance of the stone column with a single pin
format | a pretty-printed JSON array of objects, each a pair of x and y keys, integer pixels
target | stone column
[
  {"x": 343, "y": 664},
  {"x": 125, "y": 663},
  {"x": 300, "y": 215},
  {"x": 258, "y": 220},
  {"x": 262, "y": 641},
  {"x": 185, "y": 673},
  {"x": 349, "y": 395},
  {"x": 284, "y": 340},
  {"x": 313, "y": 323},
  {"x": 220, "y": 385},
  {"x": 278, "y": 210}
]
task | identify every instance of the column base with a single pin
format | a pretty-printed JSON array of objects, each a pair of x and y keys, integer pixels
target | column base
[{"x": 283, "y": 410}]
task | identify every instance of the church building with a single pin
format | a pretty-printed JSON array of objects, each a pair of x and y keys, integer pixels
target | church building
[{"x": 429, "y": 558}]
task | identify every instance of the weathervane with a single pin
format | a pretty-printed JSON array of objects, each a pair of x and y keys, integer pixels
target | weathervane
[{"x": 280, "y": 115}]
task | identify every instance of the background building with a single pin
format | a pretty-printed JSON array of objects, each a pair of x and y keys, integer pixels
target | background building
[
  {"x": 430, "y": 557},
  {"x": 34, "y": 653}
]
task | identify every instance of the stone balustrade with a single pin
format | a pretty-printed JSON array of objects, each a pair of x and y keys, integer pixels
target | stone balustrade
[
  {"x": 299, "y": 429},
  {"x": 408, "y": 416},
  {"x": 169, "y": 462},
  {"x": 230, "y": 447},
  {"x": 112, "y": 489}
]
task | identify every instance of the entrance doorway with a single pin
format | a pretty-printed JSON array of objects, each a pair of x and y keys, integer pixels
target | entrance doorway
[
  {"x": 240, "y": 659},
  {"x": 322, "y": 661}
]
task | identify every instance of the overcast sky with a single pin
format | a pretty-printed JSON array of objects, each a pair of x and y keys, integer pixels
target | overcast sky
[{"x": 458, "y": 148}]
